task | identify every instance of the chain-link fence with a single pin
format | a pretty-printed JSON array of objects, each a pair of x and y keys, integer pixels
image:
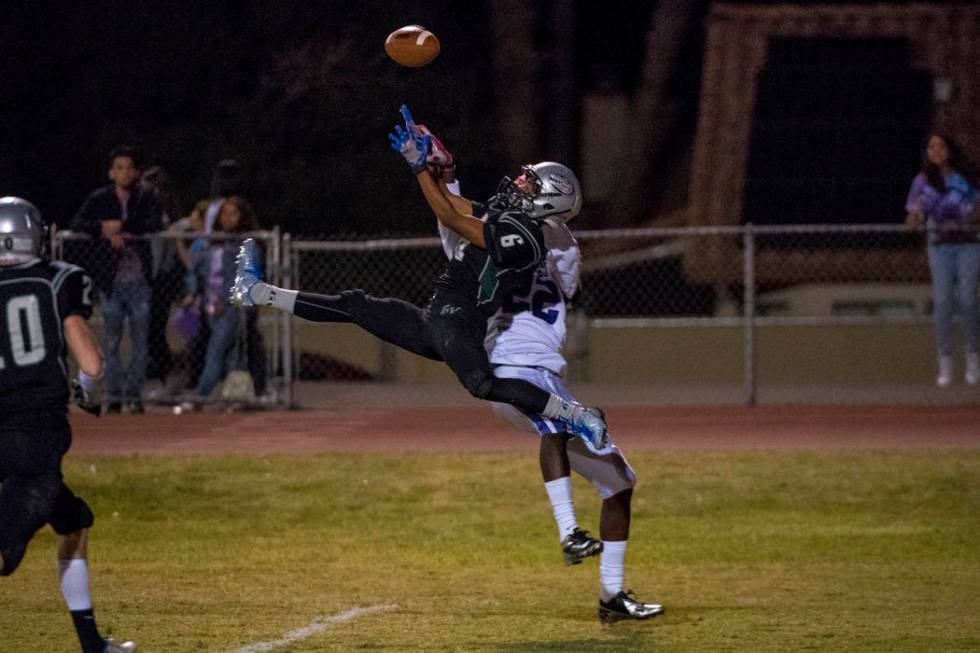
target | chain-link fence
[
  {"x": 747, "y": 308},
  {"x": 743, "y": 309},
  {"x": 165, "y": 325}
]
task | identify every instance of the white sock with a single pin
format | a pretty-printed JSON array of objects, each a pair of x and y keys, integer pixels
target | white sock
[
  {"x": 74, "y": 583},
  {"x": 612, "y": 562},
  {"x": 560, "y": 494},
  {"x": 558, "y": 408},
  {"x": 264, "y": 294}
]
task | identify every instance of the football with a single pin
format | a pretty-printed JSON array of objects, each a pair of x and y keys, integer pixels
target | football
[{"x": 412, "y": 46}]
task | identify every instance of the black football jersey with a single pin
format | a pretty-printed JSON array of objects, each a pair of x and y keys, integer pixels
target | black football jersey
[
  {"x": 34, "y": 302},
  {"x": 514, "y": 247}
]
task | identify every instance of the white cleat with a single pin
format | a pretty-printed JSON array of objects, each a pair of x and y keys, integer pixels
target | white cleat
[
  {"x": 247, "y": 274},
  {"x": 590, "y": 425}
]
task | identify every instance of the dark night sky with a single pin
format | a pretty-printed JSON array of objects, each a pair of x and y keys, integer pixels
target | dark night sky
[{"x": 300, "y": 92}]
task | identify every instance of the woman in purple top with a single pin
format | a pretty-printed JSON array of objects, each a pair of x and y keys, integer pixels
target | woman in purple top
[
  {"x": 942, "y": 200},
  {"x": 212, "y": 274}
]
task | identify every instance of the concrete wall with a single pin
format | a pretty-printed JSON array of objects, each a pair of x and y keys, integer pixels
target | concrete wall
[{"x": 703, "y": 355}]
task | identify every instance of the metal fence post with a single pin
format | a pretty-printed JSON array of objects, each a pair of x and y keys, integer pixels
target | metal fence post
[
  {"x": 286, "y": 269},
  {"x": 748, "y": 312}
]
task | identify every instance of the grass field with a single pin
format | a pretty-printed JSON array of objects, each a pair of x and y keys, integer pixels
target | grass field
[{"x": 749, "y": 551}]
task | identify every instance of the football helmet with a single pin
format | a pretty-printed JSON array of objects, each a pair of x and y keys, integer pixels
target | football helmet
[
  {"x": 546, "y": 191},
  {"x": 22, "y": 233}
]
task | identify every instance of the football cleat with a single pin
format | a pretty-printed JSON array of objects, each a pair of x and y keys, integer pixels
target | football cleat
[
  {"x": 579, "y": 545},
  {"x": 590, "y": 425},
  {"x": 113, "y": 647},
  {"x": 247, "y": 274},
  {"x": 625, "y": 606}
]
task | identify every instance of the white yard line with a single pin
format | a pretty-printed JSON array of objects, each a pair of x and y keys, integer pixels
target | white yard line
[{"x": 318, "y": 626}]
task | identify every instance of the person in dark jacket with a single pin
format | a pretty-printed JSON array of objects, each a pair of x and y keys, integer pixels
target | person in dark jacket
[{"x": 122, "y": 270}]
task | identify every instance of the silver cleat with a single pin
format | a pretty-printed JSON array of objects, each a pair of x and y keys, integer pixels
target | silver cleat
[
  {"x": 579, "y": 545},
  {"x": 625, "y": 606},
  {"x": 590, "y": 425},
  {"x": 247, "y": 274},
  {"x": 115, "y": 647}
]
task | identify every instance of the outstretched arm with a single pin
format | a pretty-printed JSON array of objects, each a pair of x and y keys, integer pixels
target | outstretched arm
[
  {"x": 453, "y": 212},
  {"x": 414, "y": 145}
]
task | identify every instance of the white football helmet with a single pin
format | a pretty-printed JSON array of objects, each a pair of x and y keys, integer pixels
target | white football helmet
[
  {"x": 555, "y": 194},
  {"x": 22, "y": 232}
]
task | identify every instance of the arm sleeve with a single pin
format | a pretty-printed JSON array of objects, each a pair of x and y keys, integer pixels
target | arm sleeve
[
  {"x": 75, "y": 294},
  {"x": 564, "y": 258}
]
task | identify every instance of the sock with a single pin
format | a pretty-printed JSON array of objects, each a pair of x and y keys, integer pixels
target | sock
[
  {"x": 611, "y": 569},
  {"x": 88, "y": 633},
  {"x": 560, "y": 494},
  {"x": 559, "y": 408},
  {"x": 74, "y": 583},
  {"x": 265, "y": 295},
  {"x": 75, "y": 588}
]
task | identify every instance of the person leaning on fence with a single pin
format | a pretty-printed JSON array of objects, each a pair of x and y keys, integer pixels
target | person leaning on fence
[
  {"x": 122, "y": 270},
  {"x": 942, "y": 200},
  {"x": 212, "y": 273}
]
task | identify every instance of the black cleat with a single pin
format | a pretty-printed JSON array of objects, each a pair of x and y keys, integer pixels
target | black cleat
[
  {"x": 625, "y": 606},
  {"x": 579, "y": 545},
  {"x": 114, "y": 407}
]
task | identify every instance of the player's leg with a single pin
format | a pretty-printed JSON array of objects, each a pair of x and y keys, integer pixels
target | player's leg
[
  {"x": 31, "y": 446},
  {"x": 71, "y": 520},
  {"x": 392, "y": 320},
  {"x": 612, "y": 477},
  {"x": 458, "y": 332},
  {"x": 576, "y": 544},
  {"x": 25, "y": 503}
]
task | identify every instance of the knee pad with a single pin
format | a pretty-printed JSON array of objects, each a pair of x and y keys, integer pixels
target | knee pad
[
  {"x": 477, "y": 384},
  {"x": 353, "y": 299},
  {"x": 70, "y": 514},
  {"x": 12, "y": 555},
  {"x": 27, "y": 506}
]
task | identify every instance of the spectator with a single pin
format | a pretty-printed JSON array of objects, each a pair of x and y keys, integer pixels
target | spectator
[
  {"x": 122, "y": 270},
  {"x": 189, "y": 335},
  {"x": 213, "y": 273},
  {"x": 227, "y": 181},
  {"x": 168, "y": 274},
  {"x": 942, "y": 199}
]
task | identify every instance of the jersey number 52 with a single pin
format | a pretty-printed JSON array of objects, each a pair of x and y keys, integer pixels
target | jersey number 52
[{"x": 538, "y": 295}]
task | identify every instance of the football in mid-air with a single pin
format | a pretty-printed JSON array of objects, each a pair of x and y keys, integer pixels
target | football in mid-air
[{"x": 412, "y": 46}]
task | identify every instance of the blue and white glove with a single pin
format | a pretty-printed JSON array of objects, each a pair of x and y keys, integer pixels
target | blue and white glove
[{"x": 407, "y": 141}]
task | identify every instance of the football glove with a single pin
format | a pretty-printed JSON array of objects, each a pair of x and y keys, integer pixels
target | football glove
[
  {"x": 87, "y": 392},
  {"x": 407, "y": 141},
  {"x": 440, "y": 162}
]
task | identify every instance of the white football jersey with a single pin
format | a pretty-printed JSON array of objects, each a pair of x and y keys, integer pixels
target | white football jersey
[{"x": 529, "y": 328}]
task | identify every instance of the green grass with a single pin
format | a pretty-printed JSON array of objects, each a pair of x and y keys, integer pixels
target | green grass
[{"x": 762, "y": 551}]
